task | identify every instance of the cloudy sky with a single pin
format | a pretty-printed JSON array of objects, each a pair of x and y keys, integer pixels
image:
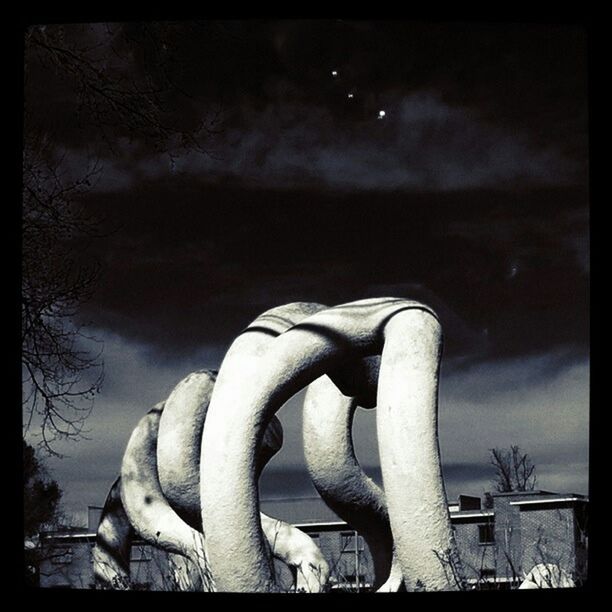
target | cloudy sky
[{"x": 444, "y": 162}]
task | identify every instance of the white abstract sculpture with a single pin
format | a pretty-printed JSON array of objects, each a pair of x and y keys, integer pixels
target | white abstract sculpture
[
  {"x": 143, "y": 499},
  {"x": 137, "y": 498},
  {"x": 111, "y": 554},
  {"x": 190, "y": 464},
  {"x": 340, "y": 480},
  {"x": 547, "y": 576},
  {"x": 178, "y": 458},
  {"x": 409, "y": 336}
]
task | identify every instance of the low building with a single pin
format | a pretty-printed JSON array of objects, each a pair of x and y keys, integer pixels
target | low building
[{"x": 498, "y": 544}]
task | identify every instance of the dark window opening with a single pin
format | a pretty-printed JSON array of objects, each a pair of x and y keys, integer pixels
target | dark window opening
[
  {"x": 486, "y": 534},
  {"x": 350, "y": 579},
  {"x": 141, "y": 586},
  {"x": 486, "y": 572},
  {"x": 140, "y": 553},
  {"x": 348, "y": 543},
  {"x": 61, "y": 556}
]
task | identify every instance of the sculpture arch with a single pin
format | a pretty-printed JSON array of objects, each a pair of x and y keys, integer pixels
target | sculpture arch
[
  {"x": 340, "y": 480},
  {"x": 281, "y": 352},
  {"x": 151, "y": 517},
  {"x": 408, "y": 336}
]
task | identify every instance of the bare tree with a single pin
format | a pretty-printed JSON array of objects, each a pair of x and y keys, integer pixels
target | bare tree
[
  {"x": 121, "y": 80},
  {"x": 104, "y": 84},
  {"x": 41, "y": 509},
  {"x": 514, "y": 470},
  {"x": 60, "y": 376}
]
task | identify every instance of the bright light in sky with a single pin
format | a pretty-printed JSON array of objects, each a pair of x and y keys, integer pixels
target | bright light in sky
[
  {"x": 514, "y": 268},
  {"x": 334, "y": 73},
  {"x": 350, "y": 96},
  {"x": 381, "y": 114}
]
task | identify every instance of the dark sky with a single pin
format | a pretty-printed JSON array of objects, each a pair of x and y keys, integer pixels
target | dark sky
[{"x": 470, "y": 194}]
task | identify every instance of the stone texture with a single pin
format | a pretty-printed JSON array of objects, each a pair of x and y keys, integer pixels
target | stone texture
[
  {"x": 338, "y": 477},
  {"x": 145, "y": 504},
  {"x": 111, "y": 555},
  {"x": 270, "y": 373}
]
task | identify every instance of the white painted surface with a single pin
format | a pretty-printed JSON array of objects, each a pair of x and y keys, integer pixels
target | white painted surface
[
  {"x": 160, "y": 525},
  {"x": 270, "y": 373},
  {"x": 145, "y": 504},
  {"x": 407, "y": 423},
  {"x": 547, "y": 576},
  {"x": 340, "y": 480},
  {"x": 240, "y": 560}
]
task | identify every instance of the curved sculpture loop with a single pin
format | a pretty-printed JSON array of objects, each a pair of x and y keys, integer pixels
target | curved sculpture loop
[
  {"x": 547, "y": 576},
  {"x": 160, "y": 490},
  {"x": 409, "y": 336},
  {"x": 192, "y": 464},
  {"x": 339, "y": 479},
  {"x": 146, "y": 506},
  {"x": 111, "y": 554},
  {"x": 178, "y": 455},
  {"x": 151, "y": 517}
]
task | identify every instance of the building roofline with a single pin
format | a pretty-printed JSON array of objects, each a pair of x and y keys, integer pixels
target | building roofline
[
  {"x": 511, "y": 493},
  {"x": 67, "y": 536},
  {"x": 471, "y": 513},
  {"x": 46, "y": 537},
  {"x": 289, "y": 499},
  {"x": 303, "y": 525},
  {"x": 550, "y": 500}
]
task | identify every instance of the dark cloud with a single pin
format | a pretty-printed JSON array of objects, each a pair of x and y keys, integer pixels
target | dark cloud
[
  {"x": 540, "y": 403},
  {"x": 191, "y": 264},
  {"x": 286, "y": 482},
  {"x": 467, "y": 103},
  {"x": 421, "y": 143},
  {"x": 295, "y": 482},
  {"x": 469, "y": 195}
]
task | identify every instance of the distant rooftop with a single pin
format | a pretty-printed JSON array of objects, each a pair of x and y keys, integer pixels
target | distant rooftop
[
  {"x": 305, "y": 511},
  {"x": 534, "y": 492},
  {"x": 299, "y": 510},
  {"x": 551, "y": 494}
]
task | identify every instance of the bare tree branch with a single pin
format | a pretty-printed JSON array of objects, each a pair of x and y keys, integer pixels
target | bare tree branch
[
  {"x": 514, "y": 470},
  {"x": 115, "y": 81}
]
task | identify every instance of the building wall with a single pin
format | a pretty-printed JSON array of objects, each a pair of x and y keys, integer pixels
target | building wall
[
  {"x": 478, "y": 548},
  {"x": 495, "y": 550},
  {"x": 349, "y": 558},
  {"x": 549, "y": 536},
  {"x": 67, "y": 563},
  {"x": 508, "y": 539},
  {"x": 337, "y": 543}
]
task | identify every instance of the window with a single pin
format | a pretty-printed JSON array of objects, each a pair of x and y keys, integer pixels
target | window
[
  {"x": 347, "y": 541},
  {"x": 141, "y": 586},
  {"x": 350, "y": 579},
  {"x": 486, "y": 533},
  {"x": 61, "y": 556},
  {"x": 140, "y": 553},
  {"x": 486, "y": 572}
]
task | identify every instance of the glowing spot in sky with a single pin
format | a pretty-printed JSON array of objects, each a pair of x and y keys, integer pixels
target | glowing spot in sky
[
  {"x": 381, "y": 114},
  {"x": 334, "y": 73},
  {"x": 350, "y": 96},
  {"x": 514, "y": 268}
]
